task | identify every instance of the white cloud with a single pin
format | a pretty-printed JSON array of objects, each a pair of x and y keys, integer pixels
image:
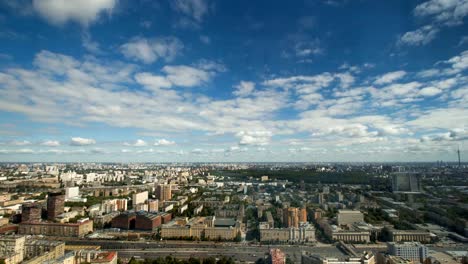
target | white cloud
[
  {"x": 137, "y": 143},
  {"x": 153, "y": 81},
  {"x": 186, "y": 76},
  {"x": 78, "y": 141},
  {"x": 390, "y": 77},
  {"x": 150, "y": 50},
  {"x": 51, "y": 143},
  {"x": 449, "y": 12},
  {"x": 90, "y": 45},
  {"x": 195, "y": 9},
  {"x": 419, "y": 37},
  {"x": 85, "y": 12},
  {"x": 430, "y": 91},
  {"x": 459, "y": 63},
  {"x": 254, "y": 137},
  {"x": 20, "y": 143},
  {"x": 164, "y": 142},
  {"x": 244, "y": 88}
]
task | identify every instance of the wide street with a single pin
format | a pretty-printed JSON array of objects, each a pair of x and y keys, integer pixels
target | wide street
[{"x": 186, "y": 249}]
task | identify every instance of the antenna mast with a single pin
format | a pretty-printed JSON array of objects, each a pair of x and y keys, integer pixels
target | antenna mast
[{"x": 459, "y": 160}]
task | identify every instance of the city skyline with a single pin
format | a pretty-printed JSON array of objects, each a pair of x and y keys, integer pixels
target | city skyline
[{"x": 199, "y": 80}]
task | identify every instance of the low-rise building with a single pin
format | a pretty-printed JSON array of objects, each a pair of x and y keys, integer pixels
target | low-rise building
[
  {"x": 304, "y": 233},
  {"x": 409, "y": 250},
  {"x": 79, "y": 229}
]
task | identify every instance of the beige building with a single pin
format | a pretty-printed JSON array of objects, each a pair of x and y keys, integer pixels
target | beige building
[
  {"x": 304, "y": 233},
  {"x": 139, "y": 198},
  {"x": 79, "y": 229},
  {"x": 201, "y": 227},
  {"x": 11, "y": 249},
  {"x": 410, "y": 235},
  {"x": 164, "y": 192},
  {"x": 41, "y": 251},
  {"x": 349, "y": 217},
  {"x": 351, "y": 234}
]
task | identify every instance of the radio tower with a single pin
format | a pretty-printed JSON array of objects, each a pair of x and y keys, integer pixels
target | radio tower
[{"x": 459, "y": 161}]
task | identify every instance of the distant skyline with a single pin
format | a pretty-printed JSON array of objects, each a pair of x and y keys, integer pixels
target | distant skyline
[{"x": 204, "y": 80}]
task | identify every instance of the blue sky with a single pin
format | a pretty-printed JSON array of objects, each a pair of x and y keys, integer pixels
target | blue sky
[{"x": 201, "y": 80}]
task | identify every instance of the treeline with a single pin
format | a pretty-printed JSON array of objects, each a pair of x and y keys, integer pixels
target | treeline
[{"x": 295, "y": 175}]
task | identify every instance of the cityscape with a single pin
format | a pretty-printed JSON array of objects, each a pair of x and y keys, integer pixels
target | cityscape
[{"x": 223, "y": 132}]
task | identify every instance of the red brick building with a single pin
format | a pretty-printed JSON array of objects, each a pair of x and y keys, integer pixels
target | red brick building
[
  {"x": 126, "y": 220},
  {"x": 147, "y": 221}
]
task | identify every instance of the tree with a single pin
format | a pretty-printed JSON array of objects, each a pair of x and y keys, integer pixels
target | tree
[{"x": 209, "y": 260}]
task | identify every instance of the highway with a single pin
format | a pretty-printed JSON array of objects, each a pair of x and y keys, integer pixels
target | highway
[{"x": 186, "y": 249}]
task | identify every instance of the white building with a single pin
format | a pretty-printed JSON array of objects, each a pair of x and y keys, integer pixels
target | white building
[{"x": 409, "y": 250}]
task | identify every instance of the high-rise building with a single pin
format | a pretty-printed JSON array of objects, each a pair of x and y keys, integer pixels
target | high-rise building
[
  {"x": 31, "y": 212},
  {"x": 139, "y": 198},
  {"x": 291, "y": 217},
  {"x": 409, "y": 250},
  {"x": 55, "y": 205},
  {"x": 163, "y": 192},
  {"x": 406, "y": 182}
]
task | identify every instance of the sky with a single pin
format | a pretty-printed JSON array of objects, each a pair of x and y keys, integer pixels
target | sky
[{"x": 234, "y": 81}]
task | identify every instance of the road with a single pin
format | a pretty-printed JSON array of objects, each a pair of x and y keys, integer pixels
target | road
[{"x": 185, "y": 249}]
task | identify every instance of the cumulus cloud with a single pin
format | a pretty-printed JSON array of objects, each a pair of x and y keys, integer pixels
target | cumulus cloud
[
  {"x": 51, "y": 143},
  {"x": 459, "y": 63},
  {"x": 164, "y": 142},
  {"x": 137, "y": 143},
  {"x": 419, "y": 37},
  {"x": 390, "y": 77},
  {"x": 78, "y": 141},
  {"x": 150, "y": 50},
  {"x": 244, "y": 88},
  {"x": 254, "y": 137},
  {"x": 85, "y": 12},
  {"x": 430, "y": 91},
  {"x": 448, "y": 12}
]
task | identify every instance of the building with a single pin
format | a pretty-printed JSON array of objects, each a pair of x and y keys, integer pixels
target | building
[
  {"x": 304, "y": 233},
  {"x": 125, "y": 220},
  {"x": 349, "y": 217},
  {"x": 201, "y": 228},
  {"x": 410, "y": 235},
  {"x": 406, "y": 182},
  {"x": 72, "y": 192},
  {"x": 12, "y": 249},
  {"x": 153, "y": 206},
  {"x": 147, "y": 221},
  {"x": 366, "y": 258},
  {"x": 277, "y": 256},
  {"x": 291, "y": 217},
  {"x": 303, "y": 215},
  {"x": 408, "y": 250},
  {"x": 96, "y": 256},
  {"x": 55, "y": 205},
  {"x": 351, "y": 234},
  {"x": 79, "y": 229},
  {"x": 43, "y": 251},
  {"x": 139, "y": 198},
  {"x": 164, "y": 192},
  {"x": 31, "y": 212}
]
